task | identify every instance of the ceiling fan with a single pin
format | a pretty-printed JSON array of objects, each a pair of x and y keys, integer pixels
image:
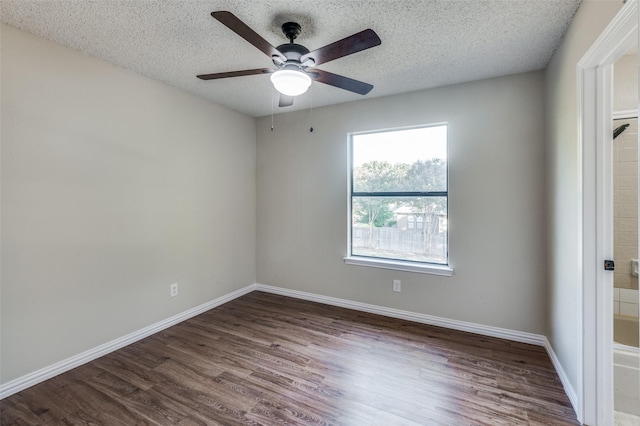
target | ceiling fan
[{"x": 294, "y": 63}]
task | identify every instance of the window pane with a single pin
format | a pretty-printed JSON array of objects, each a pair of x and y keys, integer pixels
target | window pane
[
  {"x": 386, "y": 228},
  {"x": 411, "y": 160}
]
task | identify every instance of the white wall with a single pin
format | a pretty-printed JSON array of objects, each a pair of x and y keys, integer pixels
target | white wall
[
  {"x": 114, "y": 186},
  {"x": 563, "y": 178},
  {"x": 496, "y": 202}
]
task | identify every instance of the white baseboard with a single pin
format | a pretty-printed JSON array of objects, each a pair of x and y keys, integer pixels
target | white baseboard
[
  {"x": 46, "y": 373},
  {"x": 485, "y": 330},
  {"x": 43, "y": 374},
  {"x": 564, "y": 379}
]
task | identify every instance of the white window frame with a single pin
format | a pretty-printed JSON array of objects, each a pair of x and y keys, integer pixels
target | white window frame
[{"x": 393, "y": 264}]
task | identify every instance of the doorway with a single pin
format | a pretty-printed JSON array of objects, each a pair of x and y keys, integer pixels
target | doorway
[
  {"x": 595, "y": 84},
  {"x": 626, "y": 334}
]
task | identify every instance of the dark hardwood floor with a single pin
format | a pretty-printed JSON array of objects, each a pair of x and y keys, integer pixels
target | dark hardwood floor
[{"x": 267, "y": 359}]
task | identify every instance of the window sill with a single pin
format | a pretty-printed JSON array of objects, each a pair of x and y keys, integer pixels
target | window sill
[{"x": 399, "y": 265}]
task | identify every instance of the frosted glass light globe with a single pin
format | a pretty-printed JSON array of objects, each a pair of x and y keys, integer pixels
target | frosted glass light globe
[{"x": 290, "y": 82}]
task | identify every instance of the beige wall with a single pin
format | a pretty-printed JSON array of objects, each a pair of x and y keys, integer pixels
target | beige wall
[
  {"x": 625, "y": 188},
  {"x": 625, "y": 83},
  {"x": 114, "y": 186},
  {"x": 625, "y": 203},
  {"x": 563, "y": 181},
  {"x": 496, "y": 203}
]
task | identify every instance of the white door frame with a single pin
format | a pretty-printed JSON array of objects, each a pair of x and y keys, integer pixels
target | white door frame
[{"x": 595, "y": 108}]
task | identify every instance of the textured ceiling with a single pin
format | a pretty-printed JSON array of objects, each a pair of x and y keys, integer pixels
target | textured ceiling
[{"x": 425, "y": 43}]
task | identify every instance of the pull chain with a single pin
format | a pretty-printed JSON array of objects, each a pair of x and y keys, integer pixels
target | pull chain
[{"x": 311, "y": 110}]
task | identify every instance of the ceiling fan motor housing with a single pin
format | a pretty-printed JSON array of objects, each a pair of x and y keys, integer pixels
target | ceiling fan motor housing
[{"x": 292, "y": 51}]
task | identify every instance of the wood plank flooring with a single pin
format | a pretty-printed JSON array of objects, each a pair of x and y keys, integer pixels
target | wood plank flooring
[{"x": 264, "y": 359}]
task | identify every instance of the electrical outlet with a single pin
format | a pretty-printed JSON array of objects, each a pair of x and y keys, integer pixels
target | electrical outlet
[
  {"x": 173, "y": 290},
  {"x": 397, "y": 286}
]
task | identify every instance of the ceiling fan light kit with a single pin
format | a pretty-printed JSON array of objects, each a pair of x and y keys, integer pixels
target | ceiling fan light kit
[
  {"x": 290, "y": 82},
  {"x": 293, "y": 74}
]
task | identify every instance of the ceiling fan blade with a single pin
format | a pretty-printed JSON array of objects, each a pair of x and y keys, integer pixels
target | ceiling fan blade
[
  {"x": 342, "y": 82},
  {"x": 243, "y": 30},
  {"x": 347, "y": 46},
  {"x": 285, "y": 101},
  {"x": 217, "y": 75}
]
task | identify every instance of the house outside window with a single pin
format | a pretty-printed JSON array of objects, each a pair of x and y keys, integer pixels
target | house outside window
[{"x": 398, "y": 199}]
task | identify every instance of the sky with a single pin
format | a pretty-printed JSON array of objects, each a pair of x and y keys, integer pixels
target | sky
[{"x": 400, "y": 146}]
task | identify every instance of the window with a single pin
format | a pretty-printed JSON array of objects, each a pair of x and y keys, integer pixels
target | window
[
  {"x": 398, "y": 199},
  {"x": 412, "y": 222}
]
